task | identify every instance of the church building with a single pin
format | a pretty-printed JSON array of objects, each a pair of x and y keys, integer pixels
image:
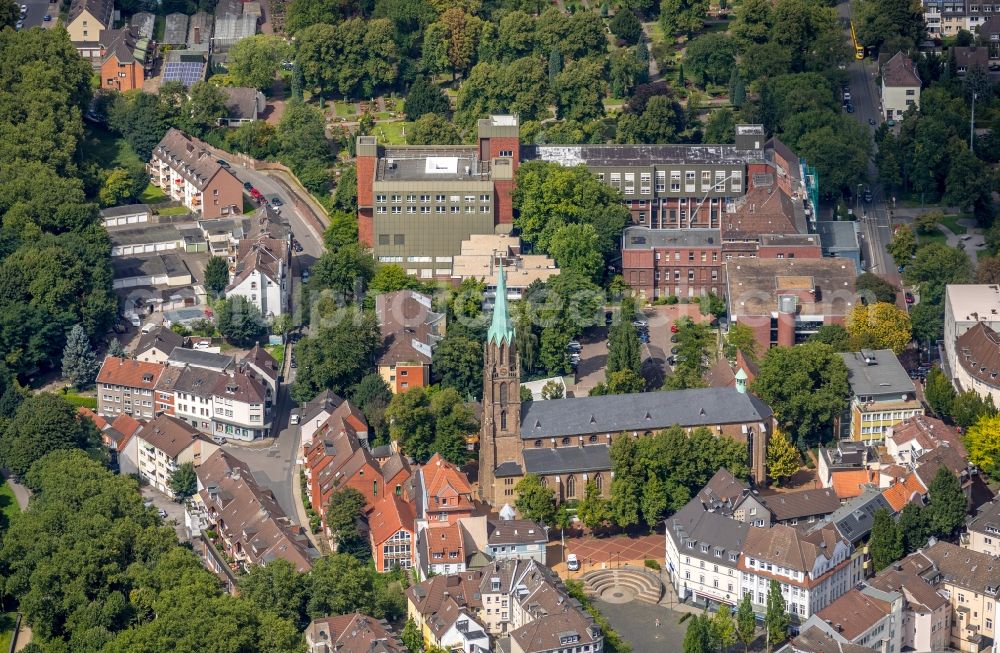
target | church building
[{"x": 567, "y": 441}]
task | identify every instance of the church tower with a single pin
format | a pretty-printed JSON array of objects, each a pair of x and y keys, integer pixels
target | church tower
[{"x": 500, "y": 438}]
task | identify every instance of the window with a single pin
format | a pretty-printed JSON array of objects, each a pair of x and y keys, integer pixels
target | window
[
  {"x": 506, "y": 153},
  {"x": 411, "y": 198},
  {"x": 425, "y": 198},
  {"x": 439, "y": 198},
  {"x": 910, "y": 91},
  {"x": 616, "y": 179},
  {"x": 989, "y": 624}
]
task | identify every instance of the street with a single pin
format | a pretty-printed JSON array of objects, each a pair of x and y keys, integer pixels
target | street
[{"x": 876, "y": 227}]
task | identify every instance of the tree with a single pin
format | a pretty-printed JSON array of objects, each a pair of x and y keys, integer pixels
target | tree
[
  {"x": 343, "y": 230},
  {"x": 580, "y": 89},
  {"x": 338, "y": 354},
  {"x": 721, "y": 126},
  {"x": 552, "y": 390},
  {"x": 240, "y": 322},
  {"x": 912, "y": 527},
  {"x": 741, "y": 338},
  {"x": 43, "y": 423},
  {"x": 205, "y": 106},
  {"x": 216, "y": 276},
  {"x": 682, "y": 16},
  {"x": 411, "y": 637},
  {"x": 593, "y": 509},
  {"x": 624, "y": 349},
  {"x": 626, "y": 483},
  {"x": 458, "y": 364},
  {"x": 968, "y": 407},
  {"x": 433, "y": 129},
  {"x": 947, "y": 505},
  {"x": 622, "y": 382},
  {"x": 710, "y": 58},
  {"x": 885, "y": 542},
  {"x": 782, "y": 457},
  {"x": 118, "y": 188},
  {"x": 806, "y": 386},
  {"x": 746, "y": 622},
  {"x": 988, "y": 270},
  {"x": 115, "y": 349},
  {"x": 9, "y": 14},
  {"x": 983, "y": 443},
  {"x": 139, "y": 119},
  {"x": 660, "y": 121},
  {"x": 927, "y": 223},
  {"x": 79, "y": 362},
  {"x": 626, "y": 71},
  {"x": 301, "y": 135},
  {"x": 344, "y": 510},
  {"x": 411, "y": 422},
  {"x": 697, "y": 637},
  {"x": 937, "y": 265},
  {"x": 184, "y": 482},
  {"x": 256, "y": 138},
  {"x": 723, "y": 628},
  {"x": 839, "y": 150},
  {"x": 626, "y": 26},
  {"x": 535, "y": 500},
  {"x": 389, "y": 278},
  {"x": 425, "y": 97},
  {"x": 902, "y": 246},
  {"x": 874, "y": 288},
  {"x": 555, "y": 66},
  {"x": 939, "y": 392},
  {"x": 276, "y": 587},
  {"x": 346, "y": 271},
  {"x": 776, "y": 619},
  {"x": 879, "y": 326}
]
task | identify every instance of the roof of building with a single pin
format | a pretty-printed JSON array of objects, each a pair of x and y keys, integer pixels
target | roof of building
[
  {"x": 763, "y": 210},
  {"x": 241, "y": 102},
  {"x": 902, "y": 493},
  {"x": 428, "y": 163},
  {"x": 804, "y": 503},
  {"x": 189, "y": 157},
  {"x": 260, "y": 359},
  {"x": 171, "y": 435},
  {"x": 445, "y": 479},
  {"x": 144, "y": 234},
  {"x": 239, "y": 387},
  {"x": 851, "y": 483},
  {"x": 126, "y": 45},
  {"x": 978, "y": 352},
  {"x": 160, "y": 338},
  {"x": 353, "y": 633},
  {"x": 553, "y": 632},
  {"x": 928, "y": 465},
  {"x": 175, "y": 29},
  {"x": 789, "y": 240},
  {"x": 854, "y": 612},
  {"x": 815, "y": 286},
  {"x": 854, "y": 519},
  {"x": 563, "y": 460},
  {"x": 126, "y": 209},
  {"x": 515, "y": 531},
  {"x": 928, "y": 433},
  {"x": 200, "y": 358},
  {"x": 144, "y": 22},
  {"x": 978, "y": 572},
  {"x": 877, "y": 372},
  {"x": 501, "y": 327},
  {"x": 129, "y": 373},
  {"x": 409, "y": 327},
  {"x": 971, "y": 56},
  {"x": 388, "y": 516},
  {"x": 645, "y": 238},
  {"x": 102, "y": 10},
  {"x": 155, "y": 265},
  {"x": 482, "y": 254},
  {"x": 722, "y": 491},
  {"x": 638, "y": 155},
  {"x": 250, "y": 514},
  {"x": 790, "y": 547},
  {"x": 442, "y": 544},
  {"x": 647, "y": 411},
  {"x": 815, "y": 640},
  {"x": 695, "y": 525},
  {"x": 900, "y": 71},
  {"x": 428, "y": 595},
  {"x": 837, "y": 236},
  {"x": 325, "y": 401},
  {"x": 973, "y": 302},
  {"x": 905, "y": 577}
]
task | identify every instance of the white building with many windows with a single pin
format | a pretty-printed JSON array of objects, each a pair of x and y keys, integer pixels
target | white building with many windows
[{"x": 166, "y": 443}]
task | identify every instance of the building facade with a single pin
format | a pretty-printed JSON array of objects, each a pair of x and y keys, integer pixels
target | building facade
[
  {"x": 900, "y": 86},
  {"x": 187, "y": 171},
  {"x": 164, "y": 444},
  {"x": 882, "y": 394},
  {"x": 126, "y": 386},
  {"x": 410, "y": 330},
  {"x": 964, "y": 306}
]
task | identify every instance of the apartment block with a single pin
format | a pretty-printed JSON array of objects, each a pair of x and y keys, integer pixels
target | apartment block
[
  {"x": 230, "y": 404},
  {"x": 703, "y": 552},
  {"x": 351, "y": 633},
  {"x": 126, "y": 386},
  {"x": 84, "y": 23},
  {"x": 164, "y": 444},
  {"x": 187, "y": 171},
  {"x": 882, "y": 394},
  {"x": 262, "y": 275},
  {"x": 126, "y": 59},
  {"x": 410, "y": 330}
]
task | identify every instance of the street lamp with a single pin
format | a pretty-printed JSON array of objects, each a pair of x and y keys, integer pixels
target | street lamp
[{"x": 972, "y": 123}]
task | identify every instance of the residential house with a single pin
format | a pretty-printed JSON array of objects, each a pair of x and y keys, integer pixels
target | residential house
[
  {"x": 410, "y": 331},
  {"x": 339, "y": 460},
  {"x": 261, "y": 365},
  {"x": 900, "y": 86},
  {"x": 814, "y": 640},
  {"x": 84, "y": 23},
  {"x": 441, "y": 550},
  {"x": 853, "y": 520},
  {"x": 391, "y": 534},
  {"x": 164, "y": 444},
  {"x": 907, "y": 490},
  {"x": 908, "y": 441},
  {"x": 243, "y": 105},
  {"x": 702, "y": 552},
  {"x": 186, "y": 169},
  {"x": 222, "y": 404},
  {"x": 867, "y": 617},
  {"x": 262, "y": 275},
  {"x": 977, "y": 361},
  {"x": 436, "y": 604},
  {"x": 117, "y": 437},
  {"x": 126, "y": 58},
  {"x": 568, "y": 630},
  {"x": 964, "y": 306},
  {"x": 926, "y": 618},
  {"x": 207, "y": 360},
  {"x": 786, "y": 301},
  {"x": 244, "y": 518},
  {"x": 315, "y": 413},
  {"x": 447, "y": 493},
  {"x": 848, "y": 468},
  {"x": 351, "y": 633},
  {"x": 520, "y": 539},
  {"x": 125, "y": 386},
  {"x": 156, "y": 345},
  {"x": 802, "y": 507},
  {"x": 813, "y": 569},
  {"x": 882, "y": 393},
  {"x": 982, "y": 531},
  {"x": 969, "y": 58},
  {"x": 730, "y": 496}
]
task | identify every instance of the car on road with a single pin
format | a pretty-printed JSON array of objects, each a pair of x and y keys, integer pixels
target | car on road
[
  {"x": 850, "y": 108},
  {"x": 891, "y": 122},
  {"x": 674, "y": 350},
  {"x": 276, "y": 201},
  {"x": 572, "y": 562},
  {"x": 24, "y": 9},
  {"x": 868, "y": 194},
  {"x": 294, "y": 417},
  {"x": 19, "y": 25},
  {"x": 909, "y": 298},
  {"x": 256, "y": 195},
  {"x": 223, "y": 163},
  {"x": 871, "y": 121},
  {"x": 247, "y": 185},
  {"x": 297, "y": 247}
]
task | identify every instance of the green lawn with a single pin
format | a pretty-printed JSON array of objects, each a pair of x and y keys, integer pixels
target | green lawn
[
  {"x": 152, "y": 195},
  {"x": 174, "y": 210},
  {"x": 82, "y": 401},
  {"x": 107, "y": 149},
  {"x": 936, "y": 237},
  {"x": 249, "y": 206},
  {"x": 951, "y": 222},
  {"x": 278, "y": 352},
  {"x": 345, "y": 109},
  {"x": 7, "y": 621},
  {"x": 391, "y": 133}
]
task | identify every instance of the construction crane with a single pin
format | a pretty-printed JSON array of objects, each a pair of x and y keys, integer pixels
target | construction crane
[{"x": 859, "y": 50}]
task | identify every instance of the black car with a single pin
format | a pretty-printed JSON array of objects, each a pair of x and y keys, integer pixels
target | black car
[
  {"x": 850, "y": 108},
  {"x": 224, "y": 164},
  {"x": 276, "y": 201},
  {"x": 247, "y": 185}
]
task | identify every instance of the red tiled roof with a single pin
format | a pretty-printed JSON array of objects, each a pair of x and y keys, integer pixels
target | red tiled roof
[
  {"x": 98, "y": 421},
  {"x": 849, "y": 483},
  {"x": 129, "y": 373},
  {"x": 900, "y": 494},
  {"x": 390, "y": 515}
]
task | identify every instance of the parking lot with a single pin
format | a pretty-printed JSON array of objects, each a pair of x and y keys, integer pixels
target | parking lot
[
  {"x": 174, "y": 510},
  {"x": 37, "y": 10}
]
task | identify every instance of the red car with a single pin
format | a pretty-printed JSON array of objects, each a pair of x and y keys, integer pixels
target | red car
[
  {"x": 909, "y": 298},
  {"x": 673, "y": 328},
  {"x": 256, "y": 195}
]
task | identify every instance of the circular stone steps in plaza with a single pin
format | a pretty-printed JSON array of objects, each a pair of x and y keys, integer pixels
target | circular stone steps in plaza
[{"x": 624, "y": 584}]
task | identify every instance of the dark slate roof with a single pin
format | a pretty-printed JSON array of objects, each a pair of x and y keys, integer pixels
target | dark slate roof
[
  {"x": 695, "y": 524},
  {"x": 804, "y": 503},
  {"x": 197, "y": 358},
  {"x": 854, "y": 518},
  {"x": 644, "y": 411},
  {"x": 987, "y": 520},
  {"x": 562, "y": 460},
  {"x": 508, "y": 468}
]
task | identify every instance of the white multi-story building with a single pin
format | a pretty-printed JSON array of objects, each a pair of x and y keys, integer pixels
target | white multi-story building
[
  {"x": 813, "y": 569},
  {"x": 261, "y": 275},
  {"x": 703, "y": 552},
  {"x": 965, "y": 305},
  {"x": 900, "y": 86},
  {"x": 230, "y": 404},
  {"x": 166, "y": 443}
]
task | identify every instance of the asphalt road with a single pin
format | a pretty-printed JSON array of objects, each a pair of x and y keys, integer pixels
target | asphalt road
[
  {"x": 874, "y": 217},
  {"x": 37, "y": 9}
]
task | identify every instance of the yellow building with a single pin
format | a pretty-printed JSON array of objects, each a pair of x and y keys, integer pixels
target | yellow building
[{"x": 882, "y": 394}]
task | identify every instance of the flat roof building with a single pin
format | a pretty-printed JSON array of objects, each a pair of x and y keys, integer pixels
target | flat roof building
[{"x": 882, "y": 393}]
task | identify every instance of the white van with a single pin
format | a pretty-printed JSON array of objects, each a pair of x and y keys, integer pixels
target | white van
[
  {"x": 147, "y": 327},
  {"x": 294, "y": 417}
]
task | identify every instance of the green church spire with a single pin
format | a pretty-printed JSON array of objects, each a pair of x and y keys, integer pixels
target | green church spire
[{"x": 501, "y": 328}]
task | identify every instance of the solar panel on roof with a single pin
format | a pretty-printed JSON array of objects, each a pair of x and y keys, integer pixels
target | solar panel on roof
[{"x": 186, "y": 72}]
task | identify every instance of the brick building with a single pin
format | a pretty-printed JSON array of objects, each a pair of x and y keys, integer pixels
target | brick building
[{"x": 188, "y": 172}]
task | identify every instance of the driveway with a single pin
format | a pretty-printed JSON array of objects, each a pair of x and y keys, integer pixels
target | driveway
[{"x": 174, "y": 510}]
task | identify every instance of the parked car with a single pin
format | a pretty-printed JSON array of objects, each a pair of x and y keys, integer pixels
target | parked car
[
  {"x": 673, "y": 328},
  {"x": 247, "y": 185},
  {"x": 223, "y": 163},
  {"x": 572, "y": 562},
  {"x": 294, "y": 418},
  {"x": 850, "y": 108},
  {"x": 573, "y": 345},
  {"x": 871, "y": 121},
  {"x": 901, "y": 269},
  {"x": 48, "y": 18},
  {"x": 640, "y": 324},
  {"x": 644, "y": 337},
  {"x": 276, "y": 201},
  {"x": 909, "y": 298},
  {"x": 163, "y": 513}
]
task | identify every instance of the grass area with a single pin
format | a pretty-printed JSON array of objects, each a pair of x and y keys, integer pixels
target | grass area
[
  {"x": 152, "y": 195},
  {"x": 951, "y": 222},
  {"x": 391, "y": 133},
  {"x": 107, "y": 149},
  {"x": 249, "y": 206},
  {"x": 345, "y": 109},
  {"x": 278, "y": 352},
  {"x": 394, "y": 104},
  {"x": 174, "y": 210},
  {"x": 936, "y": 237},
  {"x": 7, "y": 621},
  {"x": 82, "y": 401}
]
